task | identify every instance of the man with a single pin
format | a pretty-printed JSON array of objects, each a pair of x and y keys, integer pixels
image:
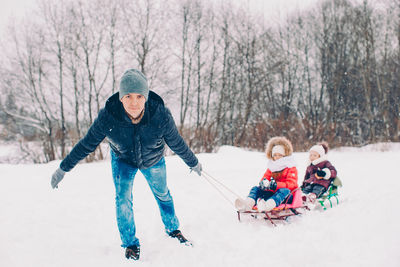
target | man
[{"x": 137, "y": 126}]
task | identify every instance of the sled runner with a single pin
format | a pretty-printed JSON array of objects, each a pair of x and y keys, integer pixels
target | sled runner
[
  {"x": 290, "y": 207},
  {"x": 330, "y": 198}
]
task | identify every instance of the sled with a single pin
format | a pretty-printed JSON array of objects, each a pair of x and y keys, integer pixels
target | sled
[
  {"x": 331, "y": 197},
  {"x": 291, "y": 207}
]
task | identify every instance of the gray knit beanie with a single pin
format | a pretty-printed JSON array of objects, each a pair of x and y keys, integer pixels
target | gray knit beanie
[{"x": 133, "y": 81}]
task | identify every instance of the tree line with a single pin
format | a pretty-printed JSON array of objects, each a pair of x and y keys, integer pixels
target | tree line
[{"x": 331, "y": 72}]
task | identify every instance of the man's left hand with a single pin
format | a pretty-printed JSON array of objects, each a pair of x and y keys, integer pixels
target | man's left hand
[
  {"x": 57, "y": 177},
  {"x": 197, "y": 169}
]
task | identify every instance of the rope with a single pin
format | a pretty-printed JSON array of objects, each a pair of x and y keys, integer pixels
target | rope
[
  {"x": 224, "y": 186},
  {"x": 209, "y": 179}
]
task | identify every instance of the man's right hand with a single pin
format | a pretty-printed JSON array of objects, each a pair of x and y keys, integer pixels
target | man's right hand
[{"x": 58, "y": 175}]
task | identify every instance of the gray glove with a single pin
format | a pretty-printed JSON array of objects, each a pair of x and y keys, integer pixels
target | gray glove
[
  {"x": 197, "y": 169},
  {"x": 57, "y": 177}
]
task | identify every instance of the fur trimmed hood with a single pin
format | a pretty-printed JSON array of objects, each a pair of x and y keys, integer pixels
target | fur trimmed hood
[{"x": 279, "y": 140}]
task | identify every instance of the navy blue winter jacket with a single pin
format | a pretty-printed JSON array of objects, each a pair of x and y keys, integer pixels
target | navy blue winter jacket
[{"x": 140, "y": 145}]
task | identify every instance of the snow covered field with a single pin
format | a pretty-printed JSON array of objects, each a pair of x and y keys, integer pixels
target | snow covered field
[{"x": 76, "y": 226}]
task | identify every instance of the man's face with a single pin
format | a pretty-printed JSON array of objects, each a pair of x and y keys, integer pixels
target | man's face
[{"x": 133, "y": 104}]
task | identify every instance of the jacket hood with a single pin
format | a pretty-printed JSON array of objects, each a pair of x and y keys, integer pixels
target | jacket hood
[
  {"x": 115, "y": 108},
  {"x": 279, "y": 140}
]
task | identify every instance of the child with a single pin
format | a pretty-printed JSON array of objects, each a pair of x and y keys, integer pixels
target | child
[
  {"x": 277, "y": 182},
  {"x": 319, "y": 173}
]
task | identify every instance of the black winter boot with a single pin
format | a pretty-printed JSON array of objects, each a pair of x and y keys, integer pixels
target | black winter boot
[
  {"x": 132, "y": 252},
  {"x": 178, "y": 235}
]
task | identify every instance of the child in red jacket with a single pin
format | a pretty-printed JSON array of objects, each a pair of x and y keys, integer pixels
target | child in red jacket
[
  {"x": 278, "y": 181},
  {"x": 319, "y": 173}
]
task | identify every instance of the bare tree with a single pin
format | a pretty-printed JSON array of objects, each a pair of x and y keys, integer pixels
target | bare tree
[
  {"x": 54, "y": 16},
  {"x": 331, "y": 72},
  {"x": 29, "y": 74}
]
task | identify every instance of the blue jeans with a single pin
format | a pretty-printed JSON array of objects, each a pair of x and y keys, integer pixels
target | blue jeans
[
  {"x": 156, "y": 176},
  {"x": 279, "y": 196},
  {"x": 317, "y": 189}
]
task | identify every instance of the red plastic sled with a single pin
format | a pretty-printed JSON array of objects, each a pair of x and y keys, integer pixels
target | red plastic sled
[{"x": 282, "y": 212}]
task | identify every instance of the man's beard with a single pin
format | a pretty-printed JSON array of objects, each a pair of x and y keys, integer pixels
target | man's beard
[{"x": 136, "y": 120}]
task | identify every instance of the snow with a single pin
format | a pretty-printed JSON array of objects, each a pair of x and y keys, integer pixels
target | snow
[
  {"x": 6, "y": 149},
  {"x": 383, "y": 147},
  {"x": 10, "y": 152},
  {"x": 76, "y": 226}
]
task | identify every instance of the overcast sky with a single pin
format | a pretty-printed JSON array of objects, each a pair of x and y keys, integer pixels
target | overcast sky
[
  {"x": 11, "y": 8},
  {"x": 19, "y": 8}
]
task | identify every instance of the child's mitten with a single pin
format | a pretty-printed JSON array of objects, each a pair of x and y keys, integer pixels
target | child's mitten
[
  {"x": 272, "y": 185},
  {"x": 327, "y": 172},
  {"x": 264, "y": 183},
  {"x": 321, "y": 173}
]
